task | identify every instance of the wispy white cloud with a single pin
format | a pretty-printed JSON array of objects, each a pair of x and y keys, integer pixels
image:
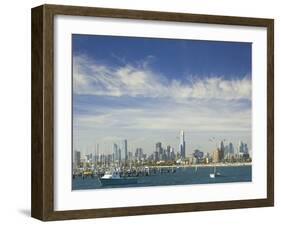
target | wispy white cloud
[
  {"x": 92, "y": 78},
  {"x": 194, "y": 117},
  {"x": 160, "y": 106},
  {"x": 153, "y": 124}
]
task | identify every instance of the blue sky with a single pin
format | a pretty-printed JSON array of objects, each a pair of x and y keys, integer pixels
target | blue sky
[
  {"x": 173, "y": 56},
  {"x": 146, "y": 90}
]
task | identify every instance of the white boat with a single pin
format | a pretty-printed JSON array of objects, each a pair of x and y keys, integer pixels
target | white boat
[
  {"x": 114, "y": 178},
  {"x": 215, "y": 173}
]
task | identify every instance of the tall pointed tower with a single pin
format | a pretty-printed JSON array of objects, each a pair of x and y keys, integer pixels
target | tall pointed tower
[{"x": 182, "y": 145}]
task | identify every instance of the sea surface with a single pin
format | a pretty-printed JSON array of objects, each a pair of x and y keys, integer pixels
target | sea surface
[{"x": 182, "y": 176}]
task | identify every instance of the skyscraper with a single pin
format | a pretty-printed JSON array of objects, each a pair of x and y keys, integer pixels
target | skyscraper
[
  {"x": 125, "y": 149},
  {"x": 226, "y": 150},
  {"x": 168, "y": 152},
  {"x": 222, "y": 146},
  {"x": 182, "y": 145},
  {"x": 240, "y": 147},
  {"x": 138, "y": 154},
  {"x": 119, "y": 155},
  {"x": 158, "y": 147},
  {"x": 115, "y": 153},
  {"x": 231, "y": 148},
  {"x": 246, "y": 150},
  {"x": 222, "y": 149},
  {"x": 158, "y": 151},
  {"x": 76, "y": 159},
  {"x": 243, "y": 148},
  {"x": 173, "y": 155},
  {"x": 130, "y": 156}
]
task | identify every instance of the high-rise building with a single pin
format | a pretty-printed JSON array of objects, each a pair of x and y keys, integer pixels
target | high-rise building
[
  {"x": 159, "y": 147},
  {"x": 222, "y": 146},
  {"x": 115, "y": 153},
  {"x": 156, "y": 156},
  {"x": 130, "y": 156},
  {"x": 119, "y": 155},
  {"x": 222, "y": 150},
  {"x": 138, "y": 154},
  {"x": 240, "y": 147},
  {"x": 76, "y": 159},
  {"x": 230, "y": 148},
  {"x": 217, "y": 155},
  {"x": 246, "y": 150},
  {"x": 226, "y": 150},
  {"x": 182, "y": 145},
  {"x": 173, "y": 155},
  {"x": 168, "y": 152},
  {"x": 109, "y": 159},
  {"x": 158, "y": 150},
  {"x": 144, "y": 157},
  {"x": 125, "y": 149}
]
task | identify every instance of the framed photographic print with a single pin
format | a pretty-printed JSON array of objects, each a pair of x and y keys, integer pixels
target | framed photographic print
[{"x": 141, "y": 112}]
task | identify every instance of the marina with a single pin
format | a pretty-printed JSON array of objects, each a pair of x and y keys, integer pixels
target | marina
[
  {"x": 162, "y": 176},
  {"x": 164, "y": 166}
]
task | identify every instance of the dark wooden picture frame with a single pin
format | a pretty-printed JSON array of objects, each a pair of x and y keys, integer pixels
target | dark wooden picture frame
[{"x": 42, "y": 203}]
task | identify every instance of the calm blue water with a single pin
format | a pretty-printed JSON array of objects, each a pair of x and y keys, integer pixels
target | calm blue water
[{"x": 182, "y": 176}]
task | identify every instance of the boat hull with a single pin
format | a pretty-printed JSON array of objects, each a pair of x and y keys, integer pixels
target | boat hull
[
  {"x": 119, "y": 181},
  {"x": 214, "y": 175}
]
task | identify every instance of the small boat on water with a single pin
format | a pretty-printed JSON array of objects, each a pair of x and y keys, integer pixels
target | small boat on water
[
  {"x": 215, "y": 173},
  {"x": 114, "y": 178}
]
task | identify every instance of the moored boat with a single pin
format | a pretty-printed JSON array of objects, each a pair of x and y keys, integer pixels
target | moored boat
[
  {"x": 215, "y": 173},
  {"x": 114, "y": 178}
]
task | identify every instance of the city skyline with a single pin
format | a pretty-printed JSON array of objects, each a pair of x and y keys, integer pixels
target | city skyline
[
  {"x": 122, "y": 148},
  {"x": 168, "y": 166},
  {"x": 147, "y": 90}
]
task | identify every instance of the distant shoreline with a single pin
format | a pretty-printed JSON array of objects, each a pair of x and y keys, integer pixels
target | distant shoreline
[{"x": 206, "y": 165}]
